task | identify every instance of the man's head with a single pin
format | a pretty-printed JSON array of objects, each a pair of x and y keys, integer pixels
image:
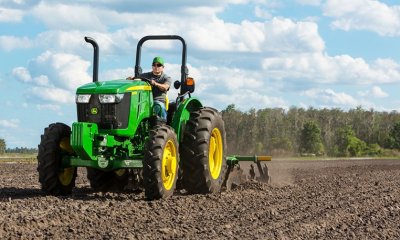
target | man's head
[{"x": 158, "y": 66}]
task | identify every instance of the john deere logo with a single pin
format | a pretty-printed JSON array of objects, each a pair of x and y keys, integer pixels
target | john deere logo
[{"x": 94, "y": 111}]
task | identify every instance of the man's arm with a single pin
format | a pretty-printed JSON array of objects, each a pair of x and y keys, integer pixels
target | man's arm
[{"x": 162, "y": 86}]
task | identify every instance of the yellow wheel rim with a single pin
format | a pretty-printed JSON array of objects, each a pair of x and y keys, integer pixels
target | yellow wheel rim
[
  {"x": 66, "y": 175},
  {"x": 120, "y": 172},
  {"x": 215, "y": 153},
  {"x": 66, "y": 145},
  {"x": 168, "y": 165}
]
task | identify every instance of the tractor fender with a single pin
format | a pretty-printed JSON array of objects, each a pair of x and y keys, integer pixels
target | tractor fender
[{"x": 182, "y": 115}]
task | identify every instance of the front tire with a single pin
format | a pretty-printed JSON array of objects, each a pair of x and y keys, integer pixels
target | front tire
[
  {"x": 54, "y": 145},
  {"x": 160, "y": 164},
  {"x": 203, "y": 152}
]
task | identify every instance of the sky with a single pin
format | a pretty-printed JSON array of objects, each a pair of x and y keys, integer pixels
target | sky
[{"x": 255, "y": 54}]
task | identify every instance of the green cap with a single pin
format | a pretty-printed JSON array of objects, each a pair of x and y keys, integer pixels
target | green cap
[{"x": 158, "y": 60}]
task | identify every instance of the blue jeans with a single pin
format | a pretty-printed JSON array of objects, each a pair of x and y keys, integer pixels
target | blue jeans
[{"x": 159, "y": 109}]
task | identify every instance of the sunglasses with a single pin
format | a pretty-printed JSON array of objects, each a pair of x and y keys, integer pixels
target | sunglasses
[{"x": 157, "y": 65}]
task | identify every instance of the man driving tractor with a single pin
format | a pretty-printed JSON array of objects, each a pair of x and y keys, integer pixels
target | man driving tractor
[{"x": 160, "y": 83}]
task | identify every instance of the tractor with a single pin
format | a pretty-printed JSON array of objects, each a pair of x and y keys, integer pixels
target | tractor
[{"x": 123, "y": 144}]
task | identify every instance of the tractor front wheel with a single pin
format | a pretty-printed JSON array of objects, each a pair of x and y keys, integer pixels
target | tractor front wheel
[
  {"x": 54, "y": 145},
  {"x": 160, "y": 164},
  {"x": 203, "y": 152}
]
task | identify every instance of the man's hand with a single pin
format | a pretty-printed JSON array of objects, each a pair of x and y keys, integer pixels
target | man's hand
[
  {"x": 162, "y": 86},
  {"x": 130, "y": 78}
]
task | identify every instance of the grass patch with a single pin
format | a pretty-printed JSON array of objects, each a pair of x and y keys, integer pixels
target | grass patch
[{"x": 18, "y": 157}]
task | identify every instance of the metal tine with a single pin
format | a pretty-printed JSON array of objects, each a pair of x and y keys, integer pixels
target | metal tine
[
  {"x": 264, "y": 173},
  {"x": 252, "y": 173},
  {"x": 235, "y": 177}
]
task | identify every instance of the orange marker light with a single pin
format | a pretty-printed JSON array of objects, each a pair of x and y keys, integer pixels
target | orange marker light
[{"x": 189, "y": 81}]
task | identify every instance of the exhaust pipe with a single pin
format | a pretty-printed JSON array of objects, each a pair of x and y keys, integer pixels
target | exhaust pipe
[{"x": 95, "y": 58}]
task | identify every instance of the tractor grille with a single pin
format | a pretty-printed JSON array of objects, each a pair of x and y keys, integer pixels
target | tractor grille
[{"x": 106, "y": 116}]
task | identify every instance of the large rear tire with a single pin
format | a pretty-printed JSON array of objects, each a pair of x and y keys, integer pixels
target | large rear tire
[
  {"x": 54, "y": 145},
  {"x": 203, "y": 152},
  {"x": 102, "y": 181},
  {"x": 160, "y": 164}
]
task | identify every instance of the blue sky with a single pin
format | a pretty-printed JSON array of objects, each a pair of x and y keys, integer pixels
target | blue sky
[{"x": 253, "y": 53}]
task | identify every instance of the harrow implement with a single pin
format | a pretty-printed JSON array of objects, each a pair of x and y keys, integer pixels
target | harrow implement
[{"x": 235, "y": 175}]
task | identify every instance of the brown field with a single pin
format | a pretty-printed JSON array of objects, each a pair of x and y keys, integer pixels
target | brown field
[{"x": 335, "y": 199}]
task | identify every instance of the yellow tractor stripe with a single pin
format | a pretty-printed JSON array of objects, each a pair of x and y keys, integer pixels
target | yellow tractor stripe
[{"x": 136, "y": 88}]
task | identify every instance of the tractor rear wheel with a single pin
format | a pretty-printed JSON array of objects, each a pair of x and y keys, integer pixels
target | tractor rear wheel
[
  {"x": 54, "y": 145},
  {"x": 203, "y": 152},
  {"x": 102, "y": 181},
  {"x": 160, "y": 164}
]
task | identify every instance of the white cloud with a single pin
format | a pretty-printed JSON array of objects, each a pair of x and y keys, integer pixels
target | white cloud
[
  {"x": 321, "y": 68},
  {"x": 22, "y": 74},
  {"x": 10, "y": 15},
  {"x": 41, "y": 80},
  {"x": 309, "y": 2},
  {"x": 290, "y": 52},
  {"x": 230, "y": 79},
  {"x": 375, "y": 92},
  {"x": 62, "y": 70},
  {"x": 202, "y": 29},
  {"x": 315, "y": 67},
  {"x": 63, "y": 16},
  {"x": 8, "y": 43},
  {"x": 201, "y": 26},
  {"x": 378, "y": 92},
  {"x": 331, "y": 98},
  {"x": 285, "y": 35},
  {"x": 262, "y": 13},
  {"x": 51, "y": 94},
  {"x": 221, "y": 86},
  {"x": 276, "y": 35},
  {"x": 54, "y": 76},
  {"x": 368, "y": 15},
  {"x": 11, "y": 123},
  {"x": 117, "y": 73}
]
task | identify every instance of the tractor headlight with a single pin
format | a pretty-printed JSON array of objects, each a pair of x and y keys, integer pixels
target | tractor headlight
[
  {"x": 82, "y": 98},
  {"x": 111, "y": 98}
]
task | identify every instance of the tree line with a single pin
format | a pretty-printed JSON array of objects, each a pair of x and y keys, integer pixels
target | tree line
[
  {"x": 25, "y": 150},
  {"x": 299, "y": 131},
  {"x": 324, "y": 132}
]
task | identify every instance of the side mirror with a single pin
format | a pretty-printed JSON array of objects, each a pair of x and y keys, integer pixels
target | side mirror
[{"x": 177, "y": 84}]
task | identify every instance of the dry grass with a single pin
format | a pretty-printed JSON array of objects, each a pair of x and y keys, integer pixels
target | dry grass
[{"x": 17, "y": 158}]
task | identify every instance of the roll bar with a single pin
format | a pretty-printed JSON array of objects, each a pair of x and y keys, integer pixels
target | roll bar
[{"x": 184, "y": 69}]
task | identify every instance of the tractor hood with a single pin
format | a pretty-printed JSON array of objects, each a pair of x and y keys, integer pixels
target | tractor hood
[{"x": 113, "y": 86}]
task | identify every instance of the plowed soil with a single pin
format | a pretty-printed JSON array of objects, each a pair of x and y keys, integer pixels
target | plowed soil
[{"x": 346, "y": 199}]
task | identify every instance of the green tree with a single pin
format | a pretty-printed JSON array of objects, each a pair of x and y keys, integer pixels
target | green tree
[
  {"x": 374, "y": 150},
  {"x": 279, "y": 130},
  {"x": 395, "y": 135},
  {"x": 347, "y": 144},
  {"x": 311, "y": 139},
  {"x": 356, "y": 147},
  {"x": 342, "y": 140},
  {"x": 2, "y": 146}
]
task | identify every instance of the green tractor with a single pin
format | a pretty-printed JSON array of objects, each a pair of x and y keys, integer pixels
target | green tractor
[{"x": 123, "y": 144}]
